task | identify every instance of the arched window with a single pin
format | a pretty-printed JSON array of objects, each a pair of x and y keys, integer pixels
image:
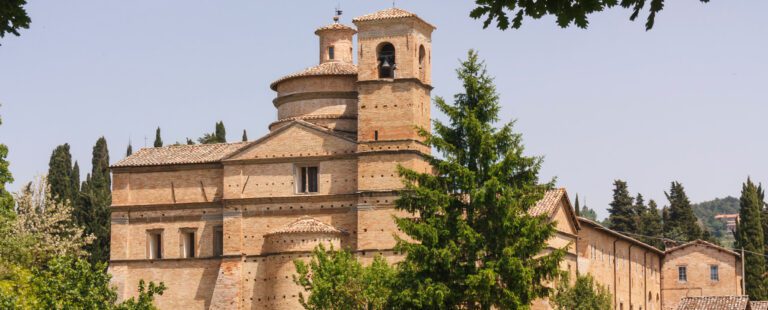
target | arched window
[
  {"x": 422, "y": 54},
  {"x": 386, "y": 57}
]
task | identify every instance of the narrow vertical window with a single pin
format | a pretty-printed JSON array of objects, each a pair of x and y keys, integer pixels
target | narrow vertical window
[
  {"x": 375, "y": 135},
  {"x": 714, "y": 273},
  {"x": 155, "y": 250},
  {"x": 188, "y": 244},
  {"x": 682, "y": 274},
  {"x": 307, "y": 179},
  {"x": 330, "y": 53},
  {"x": 218, "y": 241}
]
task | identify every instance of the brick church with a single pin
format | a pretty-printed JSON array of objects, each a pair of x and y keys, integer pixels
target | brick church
[{"x": 220, "y": 224}]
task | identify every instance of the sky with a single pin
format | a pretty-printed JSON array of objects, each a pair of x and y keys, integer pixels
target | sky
[{"x": 685, "y": 101}]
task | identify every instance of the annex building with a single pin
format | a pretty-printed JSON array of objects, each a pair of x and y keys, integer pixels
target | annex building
[{"x": 220, "y": 224}]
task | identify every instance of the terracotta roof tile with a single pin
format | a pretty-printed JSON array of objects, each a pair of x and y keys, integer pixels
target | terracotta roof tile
[
  {"x": 306, "y": 224},
  {"x": 548, "y": 203},
  {"x": 598, "y": 226},
  {"x": 704, "y": 243},
  {"x": 335, "y": 26},
  {"x": 759, "y": 305},
  {"x": 328, "y": 68},
  {"x": 180, "y": 154},
  {"x": 714, "y": 303},
  {"x": 391, "y": 13}
]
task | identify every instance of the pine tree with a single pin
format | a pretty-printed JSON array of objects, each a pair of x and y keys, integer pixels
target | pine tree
[
  {"x": 750, "y": 237},
  {"x": 60, "y": 174},
  {"x": 245, "y": 136},
  {"x": 622, "y": 212},
  {"x": 682, "y": 224},
  {"x": 93, "y": 212},
  {"x": 221, "y": 133},
  {"x": 158, "y": 139},
  {"x": 129, "y": 151},
  {"x": 476, "y": 245},
  {"x": 651, "y": 225}
]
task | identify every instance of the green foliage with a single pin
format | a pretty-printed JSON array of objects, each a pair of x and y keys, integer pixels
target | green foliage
[
  {"x": 622, "y": 215},
  {"x": 129, "y": 151},
  {"x": 158, "y": 139},
  {"x": 588, "y": 213},
  {"x": 145, "y": 298},
  {"x": 706, "y": 212},
  {"x": 585, "y": 294},
  {"x": 510, "y": 13},
  {"x": 651, "y": 225},
  {"x": 60, "y": 174},
  {"x": 476, "y": 244},
  {"x": 245, "y": 136},
  {"x": 6, "y": 199},
  {"x": 13, "y": 17},
  {"x": 750, "y": 237},
  {"x": 218, "y": 136},
  {"x": 93, "y": 211},
  {"x": 69, "y": 283},
  {"x": 190, "y": 142},
  {"x": 336, "y": 280},
  {"x": 681, "y": 225}
]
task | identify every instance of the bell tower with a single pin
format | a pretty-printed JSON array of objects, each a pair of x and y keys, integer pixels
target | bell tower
[{"x": 393, "y": 85}]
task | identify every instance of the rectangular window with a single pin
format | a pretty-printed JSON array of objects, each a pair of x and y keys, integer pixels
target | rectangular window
[
  {"x": 330, "y": 52},
  {"x": 155, "y": 249},
  {"x": 307, "y": 179},
  {"x": 375, "y": 135},
  {"x": 714, "y": 273},
  {"x": 682, "y": 274},
  {"x": 188, "y": 244},
  {"x": 218, "y": 241}
]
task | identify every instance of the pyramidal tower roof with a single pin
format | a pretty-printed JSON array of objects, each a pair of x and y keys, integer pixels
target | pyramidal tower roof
[{"x": 391, "y": 13}]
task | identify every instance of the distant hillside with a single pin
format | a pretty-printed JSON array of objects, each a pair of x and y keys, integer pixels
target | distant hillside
[{"x": 707, "y": 210}]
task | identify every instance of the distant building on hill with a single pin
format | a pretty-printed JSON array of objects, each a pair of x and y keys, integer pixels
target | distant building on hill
[{"x": 730, "y": 220}]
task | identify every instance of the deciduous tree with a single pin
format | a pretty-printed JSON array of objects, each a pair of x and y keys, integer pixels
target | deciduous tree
[{"x": 585, "y": 294}]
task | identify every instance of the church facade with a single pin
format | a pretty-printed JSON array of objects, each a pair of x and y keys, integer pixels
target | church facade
[{"x": 221, "y": 224}]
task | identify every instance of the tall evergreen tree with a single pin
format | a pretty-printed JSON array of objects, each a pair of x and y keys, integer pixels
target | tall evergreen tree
[
  {"x": 190, "y": 142},
  {"x": 621, "y": 216},
  {"x": 245, "y": 136},
  {"x": 158, "y": 139},
  {"x": 75, "y": 178},
  {"x": 576, "y": 206},
  {"x": 96, "y": 196},
  {"x": 60, "y": 174},
  {"x": 476, "y": 245},
  {"x": 750, "y": 237},
  {"x": 682, "y": 224},
  {"x": 221, "y": 133},
  {"x": 129, "y": 151},
  {"x": 651, "y": 225}
]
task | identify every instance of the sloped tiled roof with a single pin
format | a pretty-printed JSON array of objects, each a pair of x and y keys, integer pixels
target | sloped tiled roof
[
  {"x": 598, "y": 226},
  {"x": 180, "y": 154},
  {"x": 335, "y": 26},
  {"x": 328, "y": 68},
  {"x": 548, "y": 203},
  {"x": 714, "y": 303},
  {"x": 704, "y": 243},
  {"x": 391, "y": 13},
  {"x": 759, "y": 305},
  {"x": 306, "y": 224}
]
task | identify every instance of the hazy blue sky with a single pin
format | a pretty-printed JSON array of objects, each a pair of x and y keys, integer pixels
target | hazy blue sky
[{"x": 685, "y": 101}]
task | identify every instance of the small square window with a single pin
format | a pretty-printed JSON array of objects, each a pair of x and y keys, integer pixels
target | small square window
[
  {"x": 682, "y": 274},
  {"x": 714, "y": 273},
  {"x": 306, "y": 179}
]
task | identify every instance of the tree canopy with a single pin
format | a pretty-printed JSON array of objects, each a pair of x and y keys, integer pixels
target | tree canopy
[
  {"x": 507, "y": 14},
  {"x": 13, "y": 17},
  {"x": 750, "y": 237}
]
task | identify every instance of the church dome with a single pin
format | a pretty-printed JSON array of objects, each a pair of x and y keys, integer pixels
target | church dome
[{"x": 324, "y": 69}]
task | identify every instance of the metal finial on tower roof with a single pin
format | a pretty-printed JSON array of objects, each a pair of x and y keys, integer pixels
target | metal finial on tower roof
[{"x": 338, "y": 14}]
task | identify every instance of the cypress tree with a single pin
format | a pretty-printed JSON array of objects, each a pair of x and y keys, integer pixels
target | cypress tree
[
  {"x": 129, "y": 151},
  {"x": 60, "y": 174},
  {"x": 190, "y": 142},
  {"x": 75, "y": 183},
  {"x": 220, "y": 133},
  {"x": 475, "y": 245},
  {"x": 93, "y": 212},
  {"x": 682, "y": 224},
  {"x": 576, "y": 206},
  {"x": 751, "y": 239},
  {"x": 621, "y": 213},
  {"x": 158, "y": 139},
  {"x": 245, "y": 136}
]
